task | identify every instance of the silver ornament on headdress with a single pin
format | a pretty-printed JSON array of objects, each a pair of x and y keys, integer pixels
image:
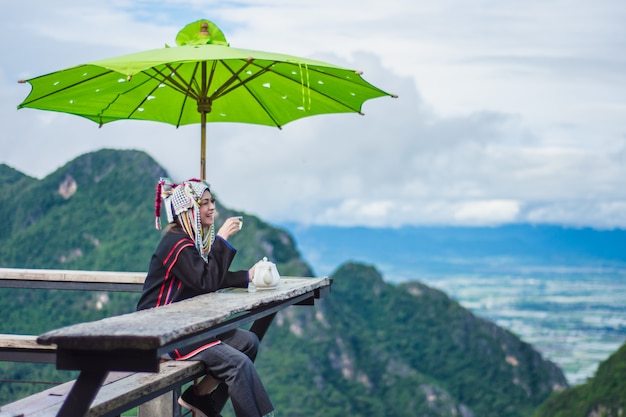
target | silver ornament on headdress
[{"x": 183, "y": 200}]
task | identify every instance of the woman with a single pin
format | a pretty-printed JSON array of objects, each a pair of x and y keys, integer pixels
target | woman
[{"x": 191, "y": 260}]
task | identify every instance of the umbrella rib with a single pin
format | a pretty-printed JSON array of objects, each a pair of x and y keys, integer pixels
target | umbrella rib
[
  {"x": 226, "y": 87},
  {"x": 205, "y": 91},
  {"x": 343, "y": 80},
  {"x": 243, "y": 83},
  {"x": 187, "y": 92},
  {"x": 326, "y": 95},
  {"x": 266, "y": 68},
  {"x": 118, "y": 96},
  {"x": 21, "y": 105},
  {"x": 185, "y": 88},
  {"x": 102, "y": 110}
]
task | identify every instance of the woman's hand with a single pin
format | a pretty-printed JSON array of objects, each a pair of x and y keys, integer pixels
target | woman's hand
[
  {"x": 231, "y": 226},
  {"x": 251, "y": 271}
]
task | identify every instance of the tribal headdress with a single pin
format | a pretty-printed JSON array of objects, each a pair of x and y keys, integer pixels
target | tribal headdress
[{"x": 183, "y": 201}]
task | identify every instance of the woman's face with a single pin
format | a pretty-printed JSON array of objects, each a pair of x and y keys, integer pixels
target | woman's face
[{"x": 207, "y": 209}]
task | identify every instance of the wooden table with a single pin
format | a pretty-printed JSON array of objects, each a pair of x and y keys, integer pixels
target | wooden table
[{"x": 136, "y": 341}]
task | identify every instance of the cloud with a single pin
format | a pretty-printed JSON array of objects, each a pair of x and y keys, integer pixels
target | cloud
[
  {"x": 506, "y": 112},
  {"x": 487, "y": 212}
]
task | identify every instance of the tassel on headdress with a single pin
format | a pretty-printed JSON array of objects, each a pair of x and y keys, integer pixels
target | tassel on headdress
[
  {"x": 157, "y": 205},
  {"x": 163, "y": 192}
]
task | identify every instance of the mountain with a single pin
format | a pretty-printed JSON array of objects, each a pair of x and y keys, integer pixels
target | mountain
[
  {"x": 370, "y": 348},
  {"x": 84, "y": 215},
  {"x": 97, "y": 213},
  {"x": 604, "y": 395},
  {"x": 376, "y": 349}
]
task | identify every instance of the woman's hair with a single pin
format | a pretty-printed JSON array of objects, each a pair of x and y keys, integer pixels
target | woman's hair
[{"x": 172, "y": 225}]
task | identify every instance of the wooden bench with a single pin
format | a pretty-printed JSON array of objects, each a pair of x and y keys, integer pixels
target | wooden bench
[
  {"x": 71, "y": 280},
  {"x": 24, "y": 348},
  {"x": 120, "y": 391},
  {"x": 135, "y": 342}
]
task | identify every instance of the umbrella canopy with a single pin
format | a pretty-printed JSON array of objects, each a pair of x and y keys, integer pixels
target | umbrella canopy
[{"x": 202, "y": 80}]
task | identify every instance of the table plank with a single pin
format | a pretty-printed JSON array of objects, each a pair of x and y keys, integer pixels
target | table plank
[{"x": 155, "y": 328}]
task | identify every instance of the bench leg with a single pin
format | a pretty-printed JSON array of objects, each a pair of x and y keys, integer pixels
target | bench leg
[
  {"x": 82, "y": 393},
  {"x": 165, "y": 405},
  {"x": 162, "y": 406}
]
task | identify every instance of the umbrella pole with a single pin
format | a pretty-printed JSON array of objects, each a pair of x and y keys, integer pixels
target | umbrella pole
[
  {"x": 203, "y": 145},
  {"x": 204, "y": 106}
]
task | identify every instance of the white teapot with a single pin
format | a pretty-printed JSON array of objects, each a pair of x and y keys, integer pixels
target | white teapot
[{"x": 265, "y": 274}]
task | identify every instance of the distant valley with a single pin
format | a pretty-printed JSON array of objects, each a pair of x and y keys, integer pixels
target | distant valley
[{"x": 560, "y": 289}]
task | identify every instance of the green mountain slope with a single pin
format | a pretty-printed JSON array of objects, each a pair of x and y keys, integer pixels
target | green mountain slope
[
  {"x": 377, "y": 349},
  {"x": 97, "y": 213},
  {"x": 90, "y": 214},
  {"x": 604, "y": 395},
  {"x": 369, "y": 349}
]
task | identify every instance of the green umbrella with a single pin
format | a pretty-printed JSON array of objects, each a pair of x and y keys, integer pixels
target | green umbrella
[{"x": 202, "y": 80}]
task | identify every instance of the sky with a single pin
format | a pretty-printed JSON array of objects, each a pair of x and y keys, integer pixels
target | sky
[{"x": 507, "y": 111}]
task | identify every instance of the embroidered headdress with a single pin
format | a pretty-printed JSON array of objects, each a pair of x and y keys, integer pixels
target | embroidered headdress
[{"x": 182, "y": 201}]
